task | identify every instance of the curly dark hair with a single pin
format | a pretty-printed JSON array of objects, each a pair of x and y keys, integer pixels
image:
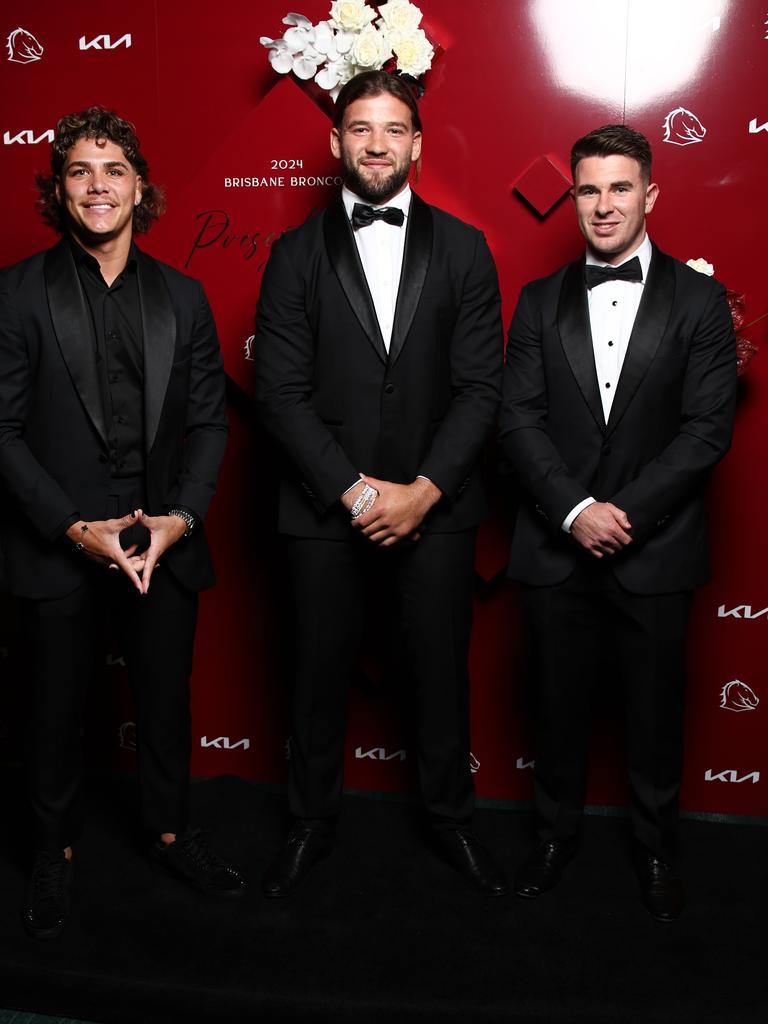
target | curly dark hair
[
  {"x": 103, "y": 126},
  {"x": 614, "y": 140}
]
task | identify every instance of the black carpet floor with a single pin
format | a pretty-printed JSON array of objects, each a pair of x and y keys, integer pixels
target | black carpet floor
[{"x": 383, "y": 932}]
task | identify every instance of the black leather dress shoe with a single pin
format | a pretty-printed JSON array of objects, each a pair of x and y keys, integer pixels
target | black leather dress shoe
[
  {"x": 661, "y": 891},
  {"x": 543, "y": 867},
  {"x": 46, "y": 906},
  {"x": 463, "y": 850},
  {"x": 303, "y": 848}
]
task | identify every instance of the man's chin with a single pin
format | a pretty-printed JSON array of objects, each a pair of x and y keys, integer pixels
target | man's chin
[{"x": 376, "y": 191}]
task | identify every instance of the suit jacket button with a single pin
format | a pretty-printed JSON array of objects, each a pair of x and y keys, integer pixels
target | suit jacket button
[
  {"x": 388, "y": 389},
  {"x": 606, "y": 449},
  {"x": 103, "y": 457}
]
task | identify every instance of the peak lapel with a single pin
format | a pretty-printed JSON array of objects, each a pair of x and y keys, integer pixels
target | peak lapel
[
  {"x": 345, "y": 260},
  {"x": 74, "y": 330},
  {"x": 416, "y": 256},
  {"x": 647, "y": 332},
  {"x": 158, "y": 325},
  {"x": 576, "y": 337}
]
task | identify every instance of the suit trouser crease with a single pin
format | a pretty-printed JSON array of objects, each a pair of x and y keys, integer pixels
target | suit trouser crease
[
  {"x": 432, "y": 584},
  {"x": 65, "y": 637},
  {"x": 639, "y": 640}
]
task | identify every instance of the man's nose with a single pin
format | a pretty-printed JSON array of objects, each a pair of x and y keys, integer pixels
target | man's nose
[
  {"x": 377, "y": 142},
  {"x": 604, "y": 203},
  {"x": 98, "y": 183}
]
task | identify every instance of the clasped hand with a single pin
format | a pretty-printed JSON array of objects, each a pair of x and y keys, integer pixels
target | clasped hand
[
  {"x": 602, "y": 528},
  {"x": 398, "y": 511},
  {"x": 101, "y": 543}
]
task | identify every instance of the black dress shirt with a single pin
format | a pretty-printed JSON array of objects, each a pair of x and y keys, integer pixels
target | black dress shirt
[{"x": 116, "y": 317}]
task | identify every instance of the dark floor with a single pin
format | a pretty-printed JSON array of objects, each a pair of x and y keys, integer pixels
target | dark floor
[{"x": 383, "y": 932}]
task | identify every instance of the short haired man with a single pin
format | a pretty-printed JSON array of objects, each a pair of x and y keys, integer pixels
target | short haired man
[
  {"x": 378, "y": 362},
  {"x": 112, "y": 429},
  {"x": 618, "y": 400}
]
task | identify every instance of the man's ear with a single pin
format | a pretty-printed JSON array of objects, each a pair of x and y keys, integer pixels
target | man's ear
[
  {"x": 651, "y": 195},
  {"x": 336, "y": 143}
]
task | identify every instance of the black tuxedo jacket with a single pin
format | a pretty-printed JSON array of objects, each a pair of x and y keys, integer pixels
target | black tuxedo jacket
[
  {"x": 53, "y": 435},
  {"x": 670, "y": 422},
  {"x": 338, "y": 404}
]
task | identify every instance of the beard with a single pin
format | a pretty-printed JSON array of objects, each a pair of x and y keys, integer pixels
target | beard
[{"x": 379, "y": 187}]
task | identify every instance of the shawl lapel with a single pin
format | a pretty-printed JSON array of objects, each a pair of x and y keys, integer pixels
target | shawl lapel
[
  {"x": 345, "y": 260},
  {"x": 576, "y": 337},
  {"x": 74, "y": 332},
  {"x": 650, "y": 323},
  {"x": 158, "y": 324}
]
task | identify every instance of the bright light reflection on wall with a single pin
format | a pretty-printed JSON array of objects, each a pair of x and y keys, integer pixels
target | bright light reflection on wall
[{"x": 660, "y": 45}]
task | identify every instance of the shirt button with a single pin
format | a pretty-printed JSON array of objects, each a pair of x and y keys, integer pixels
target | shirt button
[
  {"x": 610, "y": 343},
  {"x": 607, "y": 385},
  {"x": 614, "y": 303}
]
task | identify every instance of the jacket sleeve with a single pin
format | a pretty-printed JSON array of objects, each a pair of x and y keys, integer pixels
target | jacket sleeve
[
  {"x": 476, "y": 360},
  {"x": 38, "y": 496},
  {"x": 284, "y": 357},
  {"x": 523, "y": 423},
  {"x": 708, "y": 403},
  {"x": 205, "y": 430}
]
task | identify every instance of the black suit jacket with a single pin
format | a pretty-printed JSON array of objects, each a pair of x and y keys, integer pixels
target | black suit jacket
[
  {"x": 53, "y": 435},
  {"x": 670, "y": 422},
  {"x": 338, "y": 404}
]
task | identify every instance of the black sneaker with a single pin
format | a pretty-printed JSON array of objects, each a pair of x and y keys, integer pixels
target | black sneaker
[
  {"x": 190, "y": 859},
  {"x": 46, "y": 907}
]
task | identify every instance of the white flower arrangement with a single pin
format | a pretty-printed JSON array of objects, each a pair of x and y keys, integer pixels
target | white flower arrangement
[{"x": 356, "y": 37}]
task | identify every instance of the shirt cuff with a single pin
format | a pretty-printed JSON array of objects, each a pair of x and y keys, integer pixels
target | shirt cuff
[
  {"x": 350, "y": 487},
  {"x": 568, "y": 521}
]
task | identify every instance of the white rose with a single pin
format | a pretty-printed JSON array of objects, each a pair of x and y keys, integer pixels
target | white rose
[
  {"x": 701, "y": 266},
  {"x": 352, "y": 15},
  {"x": 400, "y": 15},
  {"x": 371, "y": 49},
  {"x": 413, "y": 50}
]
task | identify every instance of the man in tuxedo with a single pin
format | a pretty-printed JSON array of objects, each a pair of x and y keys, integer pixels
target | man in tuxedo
[
  {"x": 378, "y": 365},
  {"x": 618, "y": 400},
  {"x": 112, "y": 429}
]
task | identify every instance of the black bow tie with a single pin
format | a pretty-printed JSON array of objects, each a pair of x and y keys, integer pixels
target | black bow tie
[
  {"x": 363, "y": 215},
  {"x": 631, "y": 271}
]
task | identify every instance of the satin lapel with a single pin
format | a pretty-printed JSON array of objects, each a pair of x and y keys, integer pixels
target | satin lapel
[
  {"x": 576, "y": 337},
  {"x": 158, "y": 324},
  {"x": 650, "y": 324},
  {"x": 74, "y": 331},
  {"x": 345, "y": 260},
  {"x": 416, "y": 257}
]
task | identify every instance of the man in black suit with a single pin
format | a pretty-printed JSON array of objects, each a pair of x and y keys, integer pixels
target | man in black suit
[
  {"x": 112, "y": 429},
  {"x": 618, "y": 400},
  {"x": 378, "y": 362}
]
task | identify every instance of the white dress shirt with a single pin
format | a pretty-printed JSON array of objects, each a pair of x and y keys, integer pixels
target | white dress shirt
[
  {"x": 612, "y": 311},
  {"x": 381, "y": 247}
]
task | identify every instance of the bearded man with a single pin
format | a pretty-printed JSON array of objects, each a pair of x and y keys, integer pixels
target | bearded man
[{"x": 378, "y": 354}]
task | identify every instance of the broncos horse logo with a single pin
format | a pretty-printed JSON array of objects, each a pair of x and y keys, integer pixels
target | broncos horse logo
[
  {"x": 737, "y": 696},
  {"x": 683, "y": 128},
  {"x": 23, "y": 48}
]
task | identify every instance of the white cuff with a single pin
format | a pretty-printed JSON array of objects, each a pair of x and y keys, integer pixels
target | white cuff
[{"x": 568, "y": 521}]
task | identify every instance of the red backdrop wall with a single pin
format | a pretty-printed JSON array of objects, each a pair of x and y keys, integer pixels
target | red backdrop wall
[{"x": 514, "y": 83}]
